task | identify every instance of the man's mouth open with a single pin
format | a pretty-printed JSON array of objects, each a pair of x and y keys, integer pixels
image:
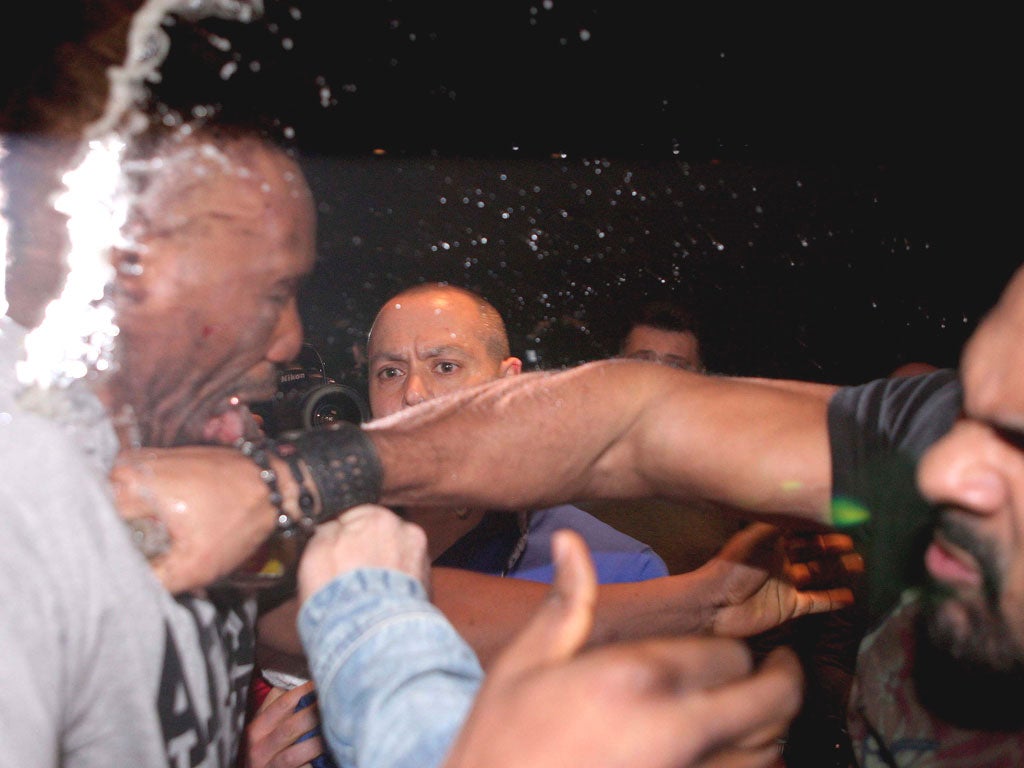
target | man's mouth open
[
  {"x": 231, "y": 423},
  {"x": 951, "y": 565}
]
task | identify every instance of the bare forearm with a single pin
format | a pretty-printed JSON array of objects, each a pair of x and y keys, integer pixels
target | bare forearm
[
  {"x": 487, "y": 610},
  {"x": 504, "y": 443},
  {"x": 612, "y": 430}
]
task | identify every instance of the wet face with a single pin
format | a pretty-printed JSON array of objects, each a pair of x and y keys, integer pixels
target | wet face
[
  {"x": 428, "y": 343},
  {"x": 975, "y": 474},
  {"x": 206, "y": 295},
  {"x": 679, "y": 349}
]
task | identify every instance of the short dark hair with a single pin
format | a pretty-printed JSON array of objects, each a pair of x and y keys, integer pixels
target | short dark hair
[{"x": 663, "y": 315}]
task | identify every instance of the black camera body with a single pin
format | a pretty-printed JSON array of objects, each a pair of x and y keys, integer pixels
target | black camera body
[{"x": 308, "y": 398}]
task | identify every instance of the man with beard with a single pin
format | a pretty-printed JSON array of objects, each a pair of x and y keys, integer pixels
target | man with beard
[
  {"x": 102, "y": 665},
  {"x": 205, "y": 300},
  {"x": 940, "y": 680}
]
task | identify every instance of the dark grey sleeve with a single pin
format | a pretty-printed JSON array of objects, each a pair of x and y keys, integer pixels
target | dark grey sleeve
[{"x": 877, "y": 433}]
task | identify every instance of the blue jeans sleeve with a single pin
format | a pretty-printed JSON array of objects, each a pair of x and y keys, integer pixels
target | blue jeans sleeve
[{"x": 395, "y": 680}]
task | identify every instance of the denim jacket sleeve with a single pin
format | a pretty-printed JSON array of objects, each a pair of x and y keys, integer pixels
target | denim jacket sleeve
[{"x": 395, "y": 680}]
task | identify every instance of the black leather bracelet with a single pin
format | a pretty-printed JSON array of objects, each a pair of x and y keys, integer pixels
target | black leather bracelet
[
  {"x": 258, "y": 452},
  {"x": 342, "y": 462},
  {"x": 287, "y": 453}
]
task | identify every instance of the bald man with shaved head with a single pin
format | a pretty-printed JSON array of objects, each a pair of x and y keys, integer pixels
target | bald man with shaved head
[{"x": 434, "y": 339}]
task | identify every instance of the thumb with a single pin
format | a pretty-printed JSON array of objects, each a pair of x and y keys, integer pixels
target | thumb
[{"x": 564, "y": 620}]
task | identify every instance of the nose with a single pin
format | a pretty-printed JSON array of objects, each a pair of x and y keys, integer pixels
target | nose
[
  {"x": 415, "y": 391},
  {"x": 963, "y": 470},
  {"x": 286, "y": 340}
]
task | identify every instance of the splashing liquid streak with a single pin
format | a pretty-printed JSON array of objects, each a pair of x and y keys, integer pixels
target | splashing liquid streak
[
  {"x": 78, "y": 330},
  {"x": 3, "y": 237}
]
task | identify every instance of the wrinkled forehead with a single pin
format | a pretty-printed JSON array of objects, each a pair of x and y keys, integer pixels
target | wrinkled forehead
[
  {"x": 238, "y": 178},
  {"x": 433, "y": 317}
]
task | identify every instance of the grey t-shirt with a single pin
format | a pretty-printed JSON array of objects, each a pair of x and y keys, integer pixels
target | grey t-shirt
[
  {"x": 99, "y": 665},
  {"x": 878, "y": 432}
]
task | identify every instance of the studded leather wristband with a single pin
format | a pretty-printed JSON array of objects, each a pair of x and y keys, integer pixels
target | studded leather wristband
[{"x": 342, "y": 462}]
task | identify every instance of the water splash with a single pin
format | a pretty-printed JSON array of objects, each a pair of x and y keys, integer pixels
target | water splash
[
  {"x": 78, "y": 330},
  {"x": 3, "y": 237},
  {"x": 148, "y": 46}
]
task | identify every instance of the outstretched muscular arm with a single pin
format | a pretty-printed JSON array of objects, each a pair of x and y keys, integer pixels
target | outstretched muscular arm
[
  {"x": 611, "y": 429},
  {"x": 614, "y": 429}
]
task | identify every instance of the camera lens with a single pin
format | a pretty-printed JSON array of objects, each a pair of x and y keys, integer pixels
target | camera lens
[
  {"x": 307, "y": 398},
  {"x": 332, "y": 403}
]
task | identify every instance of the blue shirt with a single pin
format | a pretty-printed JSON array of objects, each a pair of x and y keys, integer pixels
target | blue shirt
[{"x": 491, "y": 548}]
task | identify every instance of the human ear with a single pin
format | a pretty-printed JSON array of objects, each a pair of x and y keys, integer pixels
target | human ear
[{"x": 510, "y": 366}]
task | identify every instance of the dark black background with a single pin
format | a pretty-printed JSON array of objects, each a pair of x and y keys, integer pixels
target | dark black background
[{"x": 819, "y": 184}]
